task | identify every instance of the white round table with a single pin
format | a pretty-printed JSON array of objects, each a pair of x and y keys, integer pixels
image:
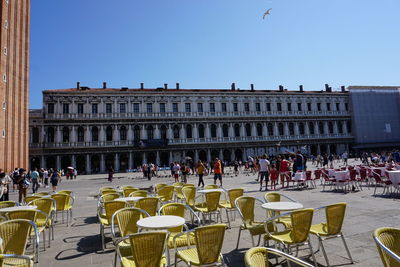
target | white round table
[
  {"x": 203, "y": 191},
  {"x": 282, "y": 206},
  {"x": 394, "y": 177},
  {"x": 161, "y": 222},
  {"x": 299, "y": 176},
  {"x": 342, "y": 175},
  {"x": 128, "y": 198},
  {"x": 18, "y": 208}
]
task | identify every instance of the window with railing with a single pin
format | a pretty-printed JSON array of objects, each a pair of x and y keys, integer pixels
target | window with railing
[
  {"x": 188, "y": 107},
  {"x": 149, "y": 108},
  {"x": 80, "y": 108},
  {"x": 81, "y": 134},
  {"x": 122, "y": 108},
  {"x": 136, "y": 107},
  {"x": 223, "y": 107},
  {"x": 65, "y": 108},
  {"x": 94, "y": 108},
  {"x": 258, "y": 107},
  {"x": 162, "y": 107},
  {"x": 212, "y": 107},
  {"x": 108, "y": 108},
  {"x": 199, "y": 107},
  {"x": 175, "y": 107}
]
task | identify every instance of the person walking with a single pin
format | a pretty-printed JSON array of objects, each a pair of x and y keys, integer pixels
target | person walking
[
  {"x": 35, "y": 180},
  {"x": 46, "y": 178},
  {"x": 200, "y": 168},
  {"x": 184, "y": 172},
  {"x": 110, "y": 174},
  {"x": 217, "y": 171},
  {"x": 23, "y": 184},
  {"x": 263, "y": 170},
  {"x": 55, "y": 177}
]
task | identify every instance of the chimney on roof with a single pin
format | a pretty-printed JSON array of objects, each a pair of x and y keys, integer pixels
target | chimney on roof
[
  {"x": 166, "y": 86},
  {"x": 328, "y": 88},
  {"x": 141, "y": 86},
  {"x": 252, "y": 87},
  {"x": 177, "y": 86},
  {"x": 78, "y": 85},
  {"x": 104, "y": 85},
  {"x": 343, "y": 88},
  {"x": 280, "y": 88},
  {"x": 124, "y": 88},
  {"x": 233, "y": 86},
  {"x": 301, "y": 88}
]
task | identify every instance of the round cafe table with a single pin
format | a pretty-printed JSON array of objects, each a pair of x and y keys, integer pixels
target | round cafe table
[
  {"x": 203, "y": 191},
  {"x": 128, "y": 198},
  {"x": 161, "y": 222},
  {"x": 282, "y": 206},
  {"x": 18, "y": 208}
]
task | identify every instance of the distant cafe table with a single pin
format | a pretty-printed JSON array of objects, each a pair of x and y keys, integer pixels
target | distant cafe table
[
  {"x": 160, "y": 222},
  {"x": 394, "y": 177},
  {"x": 282, "y": 206},
  {"x": 203, "y": 191},
  {"x": 129, "y": 200},
  {"x": 342, "y": 175}
]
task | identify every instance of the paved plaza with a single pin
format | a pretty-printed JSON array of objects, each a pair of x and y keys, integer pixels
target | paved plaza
[{"x": 80, "y": 245}]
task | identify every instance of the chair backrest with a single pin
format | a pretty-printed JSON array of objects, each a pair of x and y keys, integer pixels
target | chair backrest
[
  {"x": 211, "y": 186},
  {"x": 147, "y": 248},
  {"x": 110, "y": 207},
  {"x": 308, "y": 175},
  {"x": 30, "y": 198},
  {"x": 334, "y": 217},
  {"x": 7, "y": 204},
  {"x": 353, "y": 174},
  {"x": 212, "y": 200},
  {"x": 127, "y": 186},
  {"x": 209, "y": 240},
  {"x": 301, "y": 223},
  {"x": 62, "y": 201},
  {"x": 176, "y": 209},
  {"x": 109, "y": 197},
  {"x": 258, "y": 257},
  {"x": 108, "y": 191},
  {"x": 127, "y": 218},
  {"x": 233, "y": 194},
  {"x": 158, "y": 187},
  {"x": 245, "y": 206},
  {"x": 67, "y": 192},
  {"x": 149, "y": 204},
  {"x": 27, "y": 214},
  {"x": 128, "y": 190},
  {"x": 166, "y": 192},
  {"x": 45, "y": 205},
  {"x": 388, "y": 243},
  {"x": 15, "y": 235},
  {"x": 317, "y": 174},
  {"x": 178, "y": 184},
  {"x": 42, "y": 194},
  {"x": 138, "y": 193},
  {"x": 272, "y": 197},
  {"x": 189, "y": 192}
]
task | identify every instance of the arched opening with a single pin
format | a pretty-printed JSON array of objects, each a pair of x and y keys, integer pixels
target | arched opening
[
  {"x": 213, "y": 131},
  {"x": 225, "y": 130},
  {"x": 65, "y": 135},
  {"x": 311, "y": 127},
  {"x": 50, "y": 135},
  {"x": 291, "y": 128},
  {"x": 203, "y": 155},
  {"x": 123, "y": 133},
  {"x": 201, "y": 131},
  {"x": 51, "y": 162},
  {"x": 81, "y": 134},
  {"x": 151, "y": 157},
  {"x": 65, "y": 162},
  {"x": 301, "y": 128},
  {"x": 95, "y": 134},
  {"x": 313, "y": 150},
  {"x": 332, "y": 148},
  {"x": 189, "y": 131},
  {"x": 214, "y": 154},
  {"x": 320, "y": 128},
  {"x": 190, "y": 155},
  {"x": 109, "y": 133},
  {"x": 163, "y": 132},
  {"x": 95, "y": 164},
  {"x": 270, "y": 128},
  {"x": 123, "y": 162},
  {"x": 35, "y": 163},
  {"x": 238, "y": 154},
  {"x": 259, "y": 130},
  {"x": 176, "y": 131},
  {"x": 340, "y": 127},
  {"x": 330, "y": 127},
  {"x": 35, "y": 135},
  {"x": 248, "y": 129},
  {"x": 150, "y": 132},
  {"x": 164, "y": 159},
  {"x": 81, "y": 163},
  {"x": 227, "y": 155},
  {"x": 280, "y": 129},
  {"x": 237, "y": 130},
  {"x": 137, "y": 160},
  {"x": 136, "y": 133},
  {"x": 109, "y": 161}
]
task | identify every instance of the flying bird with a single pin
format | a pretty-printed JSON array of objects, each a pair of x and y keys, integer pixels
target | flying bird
[{"x": 267, "y": 13}]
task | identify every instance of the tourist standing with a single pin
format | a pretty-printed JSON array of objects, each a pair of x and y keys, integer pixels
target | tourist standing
[
  {"x": 273, "y": 176},
  {"x": 75, "y": 174},
  {"x": 23, "y": 184},
  {"x": 175, "y": 169},
  {"x": 184, "y": 172},
  {"x": 200, "y": 168},
  {"x": 35, "y": 180},
  {"x": 284, "y": 171},
  {"x": 263, "y": 164},
  {"x": 217, "y": 171},
  {"x": 46, "y": 178},
  {"x": 110, "y": 174},
  {"x": 55, "y": 177}
]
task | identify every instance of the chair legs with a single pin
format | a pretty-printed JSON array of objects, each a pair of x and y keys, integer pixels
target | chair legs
[
  {"x": 346, "y": 247},
  {"x": 312, "y": 253},
  {"x": 240, "y": 231}
]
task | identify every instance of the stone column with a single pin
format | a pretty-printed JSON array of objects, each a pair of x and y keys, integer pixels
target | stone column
[
  {"x": 58, "y": 138},
  {"x": 196, "y": 156},
  {"x": 102, "y": 163},
  {"x": 130, "y": 163},
  {"x": 345, "y": 130},
  {"x": 116, "y": 162},
  {"x": 58, "y": 163},
  {"x": 73, "y": 161},
  {"x": 219, "y": 130},
  {"x": 296, "y": 128},
  {"x": 276, "y": 131},
  {"x": 170, "y": 157},
  {"x": 195, "y": 132},
  {"x": 116, "y": 133},
  {"x": 253, "y": 129},
  {"x": 316, "y": 129},
  {"x": 286, "y": 128},
  {"x": 231, "y": 130},
  {"x": 43, "y": 162},
  {"x": 318, "y": 149},
  {"x": 182, "y": 133},
  {"x": 144, "y": 159},
  {"x": 130, "y": 133},
  {"x": 264, "y": 129},
  {"x": 232, "y": 154},
  {"x": 88, "y": 169},
  {"x": 144, "y": 133},
  {"x": 208, "y": 132},
  {"x": 335, "y": 128},
  {"x": 326, "y": 128},
  {"x": 156, "y": 132},
  {"x": 87, "y": 134},
  {"x": 158, "y": 158},
  {"x": 102, "y": 135},
  {"x": 306, "y": 128},
  {"x": 242, "y": 130},
  {"x": 208, "y": 155},
  {"x": 72, "y": 136},
  {"x": 221, "y": 154}
]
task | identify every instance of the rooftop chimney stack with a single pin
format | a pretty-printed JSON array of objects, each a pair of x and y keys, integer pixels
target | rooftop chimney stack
[
  {"x": 141, "y": 86},
  {"x": 301, "y": 88},
  {"x": 104, "y": 85},
  {"x": 177, "y": 86},
  {"x": 233, "y": 86},
  {"x": 252, "y": 87},
  {"x": 78, "y": 85},
  {"x": 280, "y": 88},
  {"x": 343, "y": 88},
  {"x": 328, "y": 88},
  {"x": 166, "y": 86}
]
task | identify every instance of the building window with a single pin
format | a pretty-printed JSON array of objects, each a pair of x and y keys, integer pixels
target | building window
[
  {"x": 122, "y": 133},
  {"x": 248, "y": 129},
  {"x": 50, "y": 108},
  {"x": 246, "y": 107},
  {"x": 320, "y": 128},
  {"x": 150, "y": 132},
  {"x": 279, "y": 106},
  {"x": 95, "y": 134},
  {"x": 199, "y": 107},
  {"x": 81, "y": 134},
  {"x": 65, "y": 108},
  {"x": 311, "y": 128},
  {"x": 213, "y": 131},
  {"x": 291, "y": 128},
  {"x": 268, "y": 106},
  {"x": 223, "y": 107},
  {"x": 162, "y": 107},
  {"x": 308, "y": 106},
  {"x": 330, "y": 127},
  {"x": 212, "y": 107},
  {"x": 50, "y": 135},
  {"x": 301, "y": 128},
  {"x": 176, "y": 132},
  {"x": 235, "y": 107},
  {"x": 225, "y": 130},
  {"x": 289, "y": 106},
  {"x": 340, "y": 127},
  {"x": 319, "y": 106},
  {"x": 163, "y": 132},
  {"x": 280, "y": 129},
  {"x": 258, "y": 107},
  {"x": 188, "y": 107},
  {"x": 175, "y": 107},
  {"x": 136, "y": 133},
  {"x": 201, "y": 131},
  {"x": 136, "y": 108},
  {"x": 95, "y": 108},
  {"x": 338, "y": 106},
  {"x": 348, "y": 124},
  {"x": 65, "y": 135},
  {"x": 328, "y": 106},
  {"x": 109, "y": 133},
  {"x": 80, "y": 108},
  {"x": 108, "y": 108},
  {"x": 149, "y": 108},
  {"x": 237, "y": 130},
  {"x": 299, "y": 107},
  {"x": 259, "y": 129},
  {"x": 122, "y": 108},
  {"x": 346, "y": 106},
  {"x": 189, "y": 131},
  {"x": 270, "y": 129}
]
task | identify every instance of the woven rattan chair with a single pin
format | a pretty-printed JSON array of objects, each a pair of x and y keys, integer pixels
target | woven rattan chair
[
  {"x": 157, "y": 187},
  {"x": 46, "y": 205},
  {"x": 64, "y": 204},
  {"x": 146, "y": 250},
  {"x": 149, "y": 204},
  {"x": 331, "y": 228},
  {"x": 388, "y": 243},
  {"x": 28, "y": 199},
  {"x": 189, "y": 192},
  {"x": 110, "y": 207},
  {"x": 258, "y": 257},
  {"x": 210, "y": 206},
  {"x": 15, "y": 260},
  {"x": 229, "y": 204},
  {"x": 139, "y": 193},
  {"x": 7, "y": 204},
  {"x": 278, "y": 197},
  {"x": 166, "y": 193},
  {"x": 42, "y": 194},
  {"x": 211, "y": 186},
  {"x": 207, "y": 250},
  {"x": 128, "y": 190}
]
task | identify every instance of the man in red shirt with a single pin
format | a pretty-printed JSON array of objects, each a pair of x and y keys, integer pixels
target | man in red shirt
[{"x": 217, "y": 171}]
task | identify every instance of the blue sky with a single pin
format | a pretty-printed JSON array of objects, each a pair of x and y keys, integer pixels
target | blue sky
[{"x": 212, "y": 43}]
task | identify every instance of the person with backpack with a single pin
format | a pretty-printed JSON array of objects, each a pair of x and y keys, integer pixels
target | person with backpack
[
  {"x": 35, "y": 180},
  {"x": 54, "y": 178},
  {"x": 22, "y": 181}
]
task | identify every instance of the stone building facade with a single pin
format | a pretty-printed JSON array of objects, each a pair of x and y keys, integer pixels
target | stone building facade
[
  {"x": 93, "y": 129},
  {"x": 14, "y": 73}
]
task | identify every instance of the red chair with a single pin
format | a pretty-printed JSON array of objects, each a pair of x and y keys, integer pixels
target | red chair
[
  {"x": 379, "y": 180},
  {"x": 327, "y": 181},
  {"x": 354, "y": 181},
  {"x": 363, "y": 176},
  {"x": 309, "y": 179}
]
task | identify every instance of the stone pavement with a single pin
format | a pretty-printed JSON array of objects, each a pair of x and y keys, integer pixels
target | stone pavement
[{"x": 79, "y": 243}]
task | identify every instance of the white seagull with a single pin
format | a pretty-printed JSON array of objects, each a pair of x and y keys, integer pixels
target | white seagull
[{"x": 267, "y": 13}]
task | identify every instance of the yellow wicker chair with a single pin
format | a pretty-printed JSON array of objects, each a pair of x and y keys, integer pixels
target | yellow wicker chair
[
  {"x": 278, "y": 197},
  {"x": 178, "y": 184},
  {"x": 246, "y": 209},
  {"x": 15, "y": 260},
  {"x": 208, "y": 244},
  {"x": 67, "y": 192},
  {"x": 128, "y": 190},
  {"x": 139, "y": 193},
  {"x": 7, "y": 204},
  {"x": 64, "y": 204},
  {"x": 166, "y": 193},
  {"x": 30, "y": 198},
  {"x": 157, "y": 187},
  {"x": 210, "y": 206},
  {"x": 46, "y": 205},
  {"x": 110, "y": 207},
  {"x": 258, "y": 257},
  {"x": 388, "y": 243},
  {"x": 332, "y": 227},
  {"x": 146, "y": 250},
  {"x": 15, "y": 234},
  {"x": 298, "y": 234},
  {"x": 229, "y": 204},
  {"x": 126, "y": 219},
  {"x": 149, "y": 204},
  {"x": 189, "y": 192},
  {"x": 108, "y": 197},
  {"x": 42, "y": 194},
  {"x": 127, "y": 186},
  {"x": 179, "y": 196},
  {"x": 107, "y": 191},
  {"x": 211, "y": 186}
]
